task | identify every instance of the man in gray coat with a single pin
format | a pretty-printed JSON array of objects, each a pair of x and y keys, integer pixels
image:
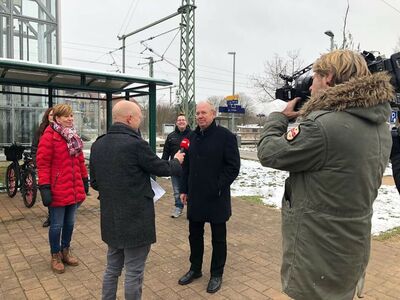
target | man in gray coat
[
  {"x": 120, "y": 166},
  {"x": 336, "y": 156}
]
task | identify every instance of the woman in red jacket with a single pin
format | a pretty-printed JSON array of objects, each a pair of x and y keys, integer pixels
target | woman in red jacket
[{"x": 63, "y": 181}]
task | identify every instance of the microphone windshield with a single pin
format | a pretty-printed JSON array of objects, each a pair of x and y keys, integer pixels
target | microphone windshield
[{"x": 185, "y": 144}]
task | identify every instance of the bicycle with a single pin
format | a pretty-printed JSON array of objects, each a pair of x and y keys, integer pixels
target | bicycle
[{"x": 21, "y": 176}]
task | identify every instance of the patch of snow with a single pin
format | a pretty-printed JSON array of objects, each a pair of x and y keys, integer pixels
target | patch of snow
[
  {"x": 248, "y": 148},
  {"x": 268, "y": 183}
]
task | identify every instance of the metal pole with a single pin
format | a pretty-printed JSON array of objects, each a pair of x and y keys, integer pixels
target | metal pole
[
  {"x": 151, "y": 69},
  {"x": 234, "y": 61},
  {"x": 123, "y": 37},
  {"x": 180, "y": 9},
  {"x": 109, "y": 106},
  {"x": 331, "y": 36},
  {"x": 123, "y": 55},
  {"x": 58, "y": 33},
  {"x": 233, "y": 89},
  {"x": 152, "y": 116}
]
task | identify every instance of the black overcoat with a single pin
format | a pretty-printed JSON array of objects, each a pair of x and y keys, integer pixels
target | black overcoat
[
  {"x": 211, "y": 165},
  {"x": 120, "y": 166}
]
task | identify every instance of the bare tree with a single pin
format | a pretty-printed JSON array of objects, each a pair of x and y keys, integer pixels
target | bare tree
[
  {"x": 245, "y": 101},
  {"x": 269, "y": 81},
  {"x": 165, "y": 115},
  {"x": 348, "y": 39},
  {"x": 249, "y": 105},
  {"x": 216, "y": 100}
]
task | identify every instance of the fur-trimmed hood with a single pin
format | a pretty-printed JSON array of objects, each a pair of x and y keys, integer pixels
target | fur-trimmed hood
[{"x": 354, "y": 96}]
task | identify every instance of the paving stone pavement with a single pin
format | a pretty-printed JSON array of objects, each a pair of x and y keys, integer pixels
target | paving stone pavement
[{"x": 252, "y": 268}]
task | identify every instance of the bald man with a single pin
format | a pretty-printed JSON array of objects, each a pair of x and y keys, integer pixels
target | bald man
[
  {"x": 211, "y": 165},
  {"x": 121, "y": 163}
]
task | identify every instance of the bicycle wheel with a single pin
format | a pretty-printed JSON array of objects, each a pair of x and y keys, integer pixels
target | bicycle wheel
[
  {"x": 29, "y": 188},
  {"x": 12, "y": 179}
]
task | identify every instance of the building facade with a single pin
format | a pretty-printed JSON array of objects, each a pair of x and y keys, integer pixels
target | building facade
[{"x": 29, "y": 30}]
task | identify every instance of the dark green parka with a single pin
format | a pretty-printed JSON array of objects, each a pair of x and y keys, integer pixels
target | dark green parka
[{"x": 336, "y": 157}]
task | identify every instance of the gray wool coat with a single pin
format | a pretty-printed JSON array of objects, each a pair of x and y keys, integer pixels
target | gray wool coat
[{"x": 121, "y": 163}]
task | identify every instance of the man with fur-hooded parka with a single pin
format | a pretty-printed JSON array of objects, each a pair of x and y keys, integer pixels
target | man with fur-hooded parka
[{"x": 336, "y": 156}]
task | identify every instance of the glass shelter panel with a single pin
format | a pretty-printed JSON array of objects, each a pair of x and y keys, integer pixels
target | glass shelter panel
[
  {"x": 35, "y": 41},
  {"x": 4, "y": 36},
  {"x": 4, "y": 5},
  {"x": 5, "y": 124},
  {"x": 89, "y": 115},
  {"x": 38, "y": 9}
]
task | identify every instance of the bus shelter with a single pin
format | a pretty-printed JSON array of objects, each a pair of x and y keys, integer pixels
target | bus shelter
[{"x": 51, "y": 82}]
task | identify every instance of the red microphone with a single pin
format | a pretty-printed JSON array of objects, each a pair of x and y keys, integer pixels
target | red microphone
[{"x": 184, "y": 145}]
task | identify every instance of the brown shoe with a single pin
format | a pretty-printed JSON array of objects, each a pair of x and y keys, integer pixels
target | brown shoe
[
  {"x": 68, "y": 259},
  {"x": 56, "y": 263}
]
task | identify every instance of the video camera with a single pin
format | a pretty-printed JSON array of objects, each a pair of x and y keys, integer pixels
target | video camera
[{"x": 299, "y": 86}]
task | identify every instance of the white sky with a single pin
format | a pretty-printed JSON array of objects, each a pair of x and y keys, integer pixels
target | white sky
[{"x": 255, "y": 29}]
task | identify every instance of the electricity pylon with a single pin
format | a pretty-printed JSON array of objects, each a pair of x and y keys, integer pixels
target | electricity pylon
[{"x": 187, "y": 59}]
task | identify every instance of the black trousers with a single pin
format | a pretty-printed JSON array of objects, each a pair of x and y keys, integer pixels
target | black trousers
[
  {"x": 218, "y": 240},
  {"x": 396, "y": 172}
]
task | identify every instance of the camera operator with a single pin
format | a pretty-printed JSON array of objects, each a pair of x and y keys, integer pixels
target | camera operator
[{"x": 336, "y": 157}]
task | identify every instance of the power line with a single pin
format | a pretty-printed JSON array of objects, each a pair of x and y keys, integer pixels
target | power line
[
  {"x": 96, "y": 62},
  {"x": 215, "y": 80},
  {"x": 170, "y": 59},
  {"x": 158, "y": 35},
  {"x": 88, "y": 45},
  {"x": 126, "y": 16},
  {"x": 388, "y": 4},
  {"x": 133, "y": 12}
]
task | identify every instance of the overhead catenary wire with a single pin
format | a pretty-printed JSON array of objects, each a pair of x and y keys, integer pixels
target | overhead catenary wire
[
  {"x": 391, "y": 6},
  {"x": 126, "y": 16},
  {"x": 129, "y": 16},
  {"x": 199, "y": 66},
  {"x": 201, "y": 78}
]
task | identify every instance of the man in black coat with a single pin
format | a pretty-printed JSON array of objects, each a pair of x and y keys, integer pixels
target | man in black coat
[
  {"x": 120, "y": 166},
  {"x": 171, "y": 146},
  {"x": 211, "y": 165},
  {"x": 395, "y": 157}
]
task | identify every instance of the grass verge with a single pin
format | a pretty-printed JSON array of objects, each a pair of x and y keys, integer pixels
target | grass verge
[
  {"x": 392, "y": 233},
  {"x": 256, "y": 199}
]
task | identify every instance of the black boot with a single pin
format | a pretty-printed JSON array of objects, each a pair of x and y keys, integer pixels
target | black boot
[{"x": 46, "y": 223}]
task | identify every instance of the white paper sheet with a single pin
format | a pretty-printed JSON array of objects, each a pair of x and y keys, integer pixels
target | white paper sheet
[{"x": 157, "y": 189}]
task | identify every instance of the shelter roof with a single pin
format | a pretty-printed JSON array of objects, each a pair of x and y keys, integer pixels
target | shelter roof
[{"x": 30, "y": 74}]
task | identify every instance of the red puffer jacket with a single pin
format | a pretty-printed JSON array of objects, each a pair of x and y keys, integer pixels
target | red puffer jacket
[{"x": 61, "y": 171}]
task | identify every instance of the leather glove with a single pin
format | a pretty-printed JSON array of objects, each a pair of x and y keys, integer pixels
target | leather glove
[
  {"x": 45, "y": 193},
  {"x": 86, "y": 185}
]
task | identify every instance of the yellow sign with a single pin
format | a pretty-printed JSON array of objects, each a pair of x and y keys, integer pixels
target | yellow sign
[{"x": 232, "y": 97}]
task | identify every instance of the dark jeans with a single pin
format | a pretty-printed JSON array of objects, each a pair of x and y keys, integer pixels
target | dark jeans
[
  {"x": 175, "y": 186},
  {"x": 134, "y": 260},
  {"x": 62, "y": 220},
  {"x": 396, "y": 171},
  {"x": 218, "y": 240}
]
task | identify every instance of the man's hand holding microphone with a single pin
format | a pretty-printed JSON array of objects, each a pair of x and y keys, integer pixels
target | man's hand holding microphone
[
  {"x": 180, "y": 155},
  {"x": 184, "y": 146}
]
